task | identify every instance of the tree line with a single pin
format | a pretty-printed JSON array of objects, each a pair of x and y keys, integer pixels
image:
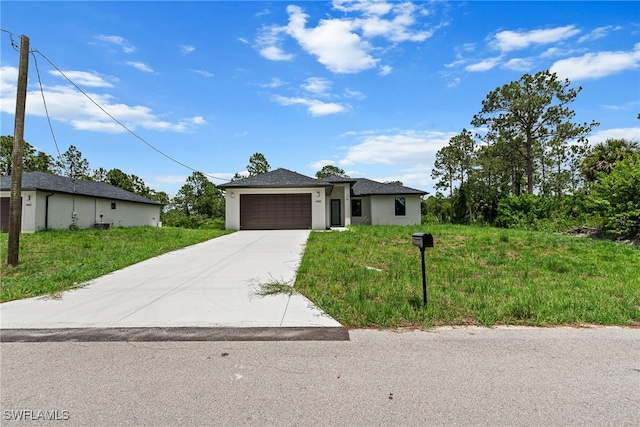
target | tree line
[
  {"x": 528, "y": 164},
  {"x": 198, "y": 203}
]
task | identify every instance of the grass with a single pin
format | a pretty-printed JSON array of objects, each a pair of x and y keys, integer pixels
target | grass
[
  {"x": 372, "y": 277},
  {"x": 54, "y": 261}
]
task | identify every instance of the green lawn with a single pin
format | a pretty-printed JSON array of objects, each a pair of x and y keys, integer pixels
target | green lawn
[
  {"x": 54, "y": 261},
  {"x": 371, "y": 276}
]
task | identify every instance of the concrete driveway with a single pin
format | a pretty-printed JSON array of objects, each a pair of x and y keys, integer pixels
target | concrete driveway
[{"x": 214, "y": 284}]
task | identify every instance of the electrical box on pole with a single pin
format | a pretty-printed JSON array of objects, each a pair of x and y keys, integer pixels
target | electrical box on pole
[{"x": 15, "y": 202}]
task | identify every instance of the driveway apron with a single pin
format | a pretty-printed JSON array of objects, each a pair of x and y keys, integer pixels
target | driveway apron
[{"x": 211, "y": 284}]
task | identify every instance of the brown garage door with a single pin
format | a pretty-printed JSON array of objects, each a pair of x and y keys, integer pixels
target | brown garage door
[
  {"x": 275, "y": 211},
  {"x": 4, "y": 214}
]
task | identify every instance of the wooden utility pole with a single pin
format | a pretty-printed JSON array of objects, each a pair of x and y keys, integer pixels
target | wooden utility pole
[{"x": 15, "y": 203}]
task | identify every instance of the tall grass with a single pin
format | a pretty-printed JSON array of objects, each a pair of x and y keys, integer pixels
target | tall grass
[
  {"x": 53, "y": 261},
  {"x": 371, "y": 276}
]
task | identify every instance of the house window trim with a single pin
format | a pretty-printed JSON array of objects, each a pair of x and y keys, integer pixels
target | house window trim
[
  {"x": 400, "y": 208},
  {"x": 357, "y": 213},
  {"x": 113, "y": 205}
]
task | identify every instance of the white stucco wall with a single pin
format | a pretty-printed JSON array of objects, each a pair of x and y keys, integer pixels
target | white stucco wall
[
  {"x": 383, "y": 210},
  {"x": 341, "y": 192},
  {"x": 232, "y": 204},
  {"x": 366, "y": 212},
  {"x": 87, "y": 211}
]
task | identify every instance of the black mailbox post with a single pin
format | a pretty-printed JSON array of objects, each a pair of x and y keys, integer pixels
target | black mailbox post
[{"x": 422, "y": 241}]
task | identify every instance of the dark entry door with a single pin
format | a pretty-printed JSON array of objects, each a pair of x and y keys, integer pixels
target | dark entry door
[{"x": 336, "y": 217}]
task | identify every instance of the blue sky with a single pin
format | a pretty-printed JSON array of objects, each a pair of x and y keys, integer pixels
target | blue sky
[{"x": 373, "y": 87}]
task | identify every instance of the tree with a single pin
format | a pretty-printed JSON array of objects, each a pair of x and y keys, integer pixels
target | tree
[
  {"x": 603, "y": 157},
  {"x": 257, "y": 164},
  {"x": 74, "y": 165},
  {"x": 616, "y": 196},
  {"x": 32, "y": 160},
  {"x": 331, "y": 170},
  {"x": 199, "y": 196},
  {"x": 532, "y": 114}
]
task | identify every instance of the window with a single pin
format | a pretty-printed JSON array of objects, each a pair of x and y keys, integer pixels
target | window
[
  {"x": 401, "y": 206},
  {"x": 113, "y": 205},
  {"x": 356, "y": 207}
]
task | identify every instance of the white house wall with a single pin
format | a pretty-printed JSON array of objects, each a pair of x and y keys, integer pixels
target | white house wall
[
  {"x": 87, "y": 211},
  {"x": 232, "y": 204},
  {"x": 341, "y": 192},
  {"x": 383, "y": 210},
  {"x": 365, "y": 219}
]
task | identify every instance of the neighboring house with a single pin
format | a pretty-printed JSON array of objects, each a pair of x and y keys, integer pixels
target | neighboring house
[
  {"x": 282, "y": 199},
  {"x": 53, "y": 201}
]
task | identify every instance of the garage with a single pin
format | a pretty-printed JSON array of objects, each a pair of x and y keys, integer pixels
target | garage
[{"x": 275, "y": 211}]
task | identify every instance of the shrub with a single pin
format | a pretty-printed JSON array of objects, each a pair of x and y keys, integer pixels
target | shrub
[
  {"x": 524, "y": 211},
  {"x": 616, "y": 197}
]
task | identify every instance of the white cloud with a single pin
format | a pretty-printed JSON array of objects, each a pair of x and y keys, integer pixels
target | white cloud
[
  {"x": 597, "y": 65},
  {"x": 402, "y": 147},
  {"x": 268, "y": 44},
  {"x": 118, "y": 41},
  {"x": 274, "y": 53},
  {"x": 348, "y": 93},
  {"x": 317, "y": 85},
  {"x": 321, "y": 163},
  {"x": 140, "y": 66},
  {"x": 66, "y": 104},
  {"x": 204, "y": 73},
  {"x": 512, "y": 40},
  {"x": 333, "y": 42},
  {"x": 314, "y": 107},
  {"x": 623, "y": 107},
  {"x": 83, "y": 78},
  {"x": 519, "y": 64},
  {"x": 343, "y": 45},
  {"x": 632, "y": 134},
  {"x": 454, "y": 82},
  {"x": 274, "y": 83},
  {"x": 243, "y": 40},
  {"x": 185, "y": 48},
  {"x": 484, "y": 65},
  {"x": 378, "y": 8},
  {"x": 598, "y": 33},
  {"x": 385, "y": 70}
]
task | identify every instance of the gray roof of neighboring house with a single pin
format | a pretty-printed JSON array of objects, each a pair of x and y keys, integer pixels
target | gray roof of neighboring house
[
  {"x": 367, "y": 187},
  {"x": 276, "y": 179},
  {"x": 61, "y": 184}
]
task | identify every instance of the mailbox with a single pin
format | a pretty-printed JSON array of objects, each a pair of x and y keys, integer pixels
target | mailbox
[{"x": 422, "y": 240}]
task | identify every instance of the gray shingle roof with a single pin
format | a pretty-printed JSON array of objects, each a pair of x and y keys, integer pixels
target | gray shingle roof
[
  {"x": 366, "y": 187},
  {"x": 276, "y": 179},
  {"x": 280, "y": 178},
  {"x": 61, "y": 184}
]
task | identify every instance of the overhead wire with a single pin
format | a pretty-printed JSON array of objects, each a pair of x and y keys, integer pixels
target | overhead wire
[
  {"x": 46, "y": 111},
  {"x": 34, "y": 51}
]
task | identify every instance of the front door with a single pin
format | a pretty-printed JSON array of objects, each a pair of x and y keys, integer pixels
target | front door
[{"x": 336, "y": 218}]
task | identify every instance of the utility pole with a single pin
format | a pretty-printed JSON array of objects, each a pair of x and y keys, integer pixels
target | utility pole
[{"x": 15, "y": 202}]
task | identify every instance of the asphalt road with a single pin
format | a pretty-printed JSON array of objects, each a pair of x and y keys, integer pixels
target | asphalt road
[{"x": 457, "y": 377}]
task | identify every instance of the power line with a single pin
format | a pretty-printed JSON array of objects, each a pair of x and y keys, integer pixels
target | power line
[
  {"x": 102, "y": 109},
  {"x": 119, "y": 122},
  {"x": 13, "y": 43},
  {"x": 46, "y": 111}
]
